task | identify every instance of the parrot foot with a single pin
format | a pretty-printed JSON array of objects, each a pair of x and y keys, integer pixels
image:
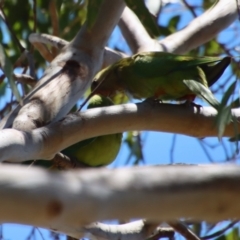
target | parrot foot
[
  {"x": 62, "y": 161},
  {"x": 152, "y": 101},
  {"x": 192, "y": 104}
]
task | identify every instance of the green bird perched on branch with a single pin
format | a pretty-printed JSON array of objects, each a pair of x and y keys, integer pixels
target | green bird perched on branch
[
  {"x": 160, "y": 75},
  {"x": 97, "y": 151}
]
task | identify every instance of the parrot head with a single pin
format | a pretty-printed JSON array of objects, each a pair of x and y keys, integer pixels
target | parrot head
[{"x": 105, "y": 82}]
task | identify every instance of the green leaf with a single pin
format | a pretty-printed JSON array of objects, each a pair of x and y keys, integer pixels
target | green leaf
[
  {"x": 235, "y": 103},
  {"x": 223, "y": 118},
  {"x": 211, "y": 48},
  {"x": 228, "y": 94},
  {"x": 3, "y": 87},
  {"x": 200, "y": 90},
  {"x": 92, "y": 11},
  {"x": 8, "y": 71},
  {"x": 140, "y": 9},
  {"x": 172, "y": 25},
  {"x": 224, "y": 115},
  {"x": 223, "y": 237},
  {"x": 224, "y": 112},
  {"x": 197, "y": 228},
  {"x": 165, "y": 31},
  {"x": 233, "y": 235}
]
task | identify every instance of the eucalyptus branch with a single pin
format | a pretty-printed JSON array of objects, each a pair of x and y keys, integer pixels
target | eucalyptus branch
[
  {"x": 69, "y": 74},
  {"x": 110, "y": 56},
  {"x": 25, "y": 79},
  {"x": 48, "y": 39},
  {"x": 45, "y": 142},
  {"x": 135, "y": 34},
  {"x": 202, "y": 29},
  {"x": 68, "y": 201}
]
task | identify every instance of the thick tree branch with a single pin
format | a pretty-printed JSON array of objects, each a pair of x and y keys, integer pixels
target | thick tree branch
[
  {"x": 45, "y": 142},
  {"x": 135, "y": 34},
  {"x": 68, "y": 201},
  {"x": 202, "y": 29},
  {"x": 199, "y": 31},
  {"x": 69, "y": 74},
  {"x": 97, "y": 37}
]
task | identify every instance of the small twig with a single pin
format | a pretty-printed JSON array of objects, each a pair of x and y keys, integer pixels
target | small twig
[
  {"x": 238, "y": 9},
  {"x": 48, "y": 40},
  {"x": 40, "y": 233},
  {"x": 162, "y": 232},
  {"x": 190, "y": 8},
  {"x": 220, "y": 232},
  {"x": 54, "y": 17},
  {"x": 46, "y": 54},
  {"x": 19, "y": 62},
  {"x": 32, "y": 233},
  {"x": 154, "y": 231},
  {"x": 172, "y": 148},
  {"x": 25, "y": 79},
  {"x": 54, "y": 21},
  {"x": 205, "y": 151},
  {"x": 31, "y": 63},
  {"x": 39, "y": 41},
  {"x": 1, "y": 232},
  {"x": 183, "y": 230}
]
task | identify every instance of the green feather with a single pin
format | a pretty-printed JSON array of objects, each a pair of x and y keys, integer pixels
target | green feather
[{"x": 158, "y": 75}]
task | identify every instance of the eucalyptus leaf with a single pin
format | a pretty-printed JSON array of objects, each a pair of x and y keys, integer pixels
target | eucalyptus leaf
[
  {"x": 228, "y": 94},
  {"x": 200, "y": 90},
  {"x": 92, "y": 11},
  {"x": 233, "y": 235},
  {"x": 224, "y": 117},
  {"x": 7, "y": 68},
  {"x": 140, "y": 9}
]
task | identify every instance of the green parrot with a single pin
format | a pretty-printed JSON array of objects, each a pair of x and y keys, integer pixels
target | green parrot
[
  {"x": 97, "y": 151},
  {"x": 163, "y": 76}
]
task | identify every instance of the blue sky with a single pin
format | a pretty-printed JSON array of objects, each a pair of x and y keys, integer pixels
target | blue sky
[{"x": 158, "y": 147}]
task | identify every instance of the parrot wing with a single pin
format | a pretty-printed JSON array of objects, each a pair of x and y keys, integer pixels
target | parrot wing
[
  {"x": 152, "y": 64},
  {"x": 215, "y": 71},
  {"x": 100, "y": 150},
  {"x": 71, "y": 150}
]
